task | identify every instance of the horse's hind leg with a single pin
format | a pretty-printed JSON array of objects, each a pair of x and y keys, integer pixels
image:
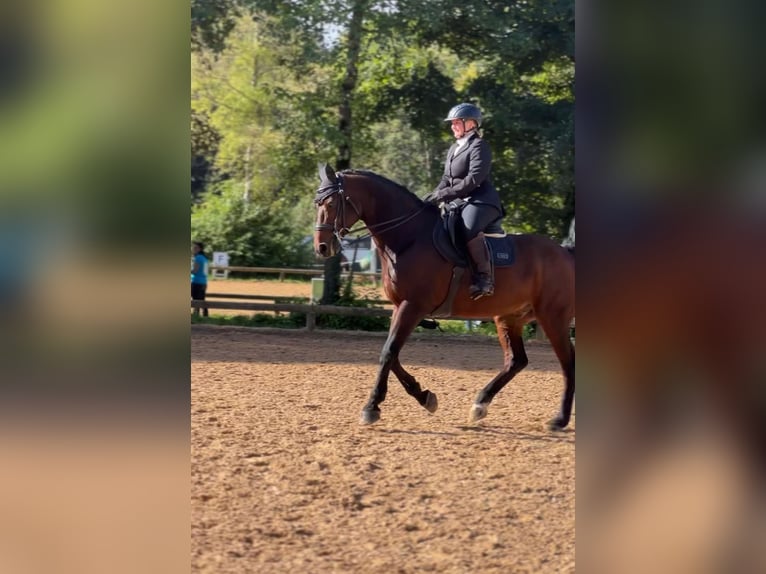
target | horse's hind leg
[
  {"x": 515, "y": 359},
  {"x": 557, "y": 330},
  {"x": 425, "y": 398}
]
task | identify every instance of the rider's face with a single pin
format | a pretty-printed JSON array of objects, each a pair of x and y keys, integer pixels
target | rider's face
[{"x": 458, "y": 128}]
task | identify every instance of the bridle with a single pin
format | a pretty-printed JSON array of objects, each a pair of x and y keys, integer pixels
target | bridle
[{"x": 327, "y": 191}]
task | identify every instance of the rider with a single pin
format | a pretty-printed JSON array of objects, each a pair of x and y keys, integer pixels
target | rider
[{"x": 466, "y": 176}]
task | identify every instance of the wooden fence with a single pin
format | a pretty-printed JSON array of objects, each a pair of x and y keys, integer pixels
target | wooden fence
[
  {"x": 282, "y": 272},
  {"x": 311, "y": 310},
  {"x": 285, "y": 298},
  {"x": 289, "y": 304}
]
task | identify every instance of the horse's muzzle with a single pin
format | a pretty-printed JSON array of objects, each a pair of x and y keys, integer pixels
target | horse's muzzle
[
  {"x": 327, "y": 249},
  {"x": 323, "y": 250}
]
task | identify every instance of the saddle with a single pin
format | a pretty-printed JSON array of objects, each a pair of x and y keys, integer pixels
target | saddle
[{"x": 448, "y": 241}]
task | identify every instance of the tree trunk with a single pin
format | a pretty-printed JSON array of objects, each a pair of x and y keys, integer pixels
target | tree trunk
[
  {"x": 331, "y": 292},
  {"x": 248, "y": 173},
  {"x": 331, "y": 287},
  {"x": 354, "y": 45}
]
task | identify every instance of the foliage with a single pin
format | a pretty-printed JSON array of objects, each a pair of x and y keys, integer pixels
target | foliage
[
  {"x": 279, "y": 86},
  {"x": 252, "y": 233},
  {"x": 484, "y": 328},
  {"x": 204, "y": 147},
  {"x": 298, "y": 321},
  {"x": 348, "y": 298},
  {"x": 351, "y": 323},
  {"x": 244, "y": 97},
  {"x": 211, "y": 22}
]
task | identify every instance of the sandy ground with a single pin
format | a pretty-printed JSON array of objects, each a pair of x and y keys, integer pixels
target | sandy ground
[{"x": 285, "y": 479}]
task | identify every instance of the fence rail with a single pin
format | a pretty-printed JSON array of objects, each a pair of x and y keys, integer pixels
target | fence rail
[
  {"x": 283, "y": 298},
  {"x": 288, "y": 304},
  {"x": 311, "y": 311},
  {"x": 282, "y": 271}
]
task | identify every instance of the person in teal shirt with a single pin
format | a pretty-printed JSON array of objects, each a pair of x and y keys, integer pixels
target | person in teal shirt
[{"x": 199, "y": 275}]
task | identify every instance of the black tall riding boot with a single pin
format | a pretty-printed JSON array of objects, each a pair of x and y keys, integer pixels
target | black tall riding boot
[{"x": 484, "y": 282}]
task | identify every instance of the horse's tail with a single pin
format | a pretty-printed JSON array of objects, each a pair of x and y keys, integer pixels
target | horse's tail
[{"x": 569, "y": 241}]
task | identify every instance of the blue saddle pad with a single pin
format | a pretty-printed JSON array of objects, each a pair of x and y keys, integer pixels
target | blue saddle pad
[{"x": 502, "y": 250}]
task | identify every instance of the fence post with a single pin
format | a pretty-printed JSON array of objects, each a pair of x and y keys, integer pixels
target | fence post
[
  {"x": 311, "y": 320},
  {"x": 317, "y": 288}
]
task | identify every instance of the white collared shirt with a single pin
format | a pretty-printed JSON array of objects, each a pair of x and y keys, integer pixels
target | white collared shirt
[{"x": 462, "y": 141}]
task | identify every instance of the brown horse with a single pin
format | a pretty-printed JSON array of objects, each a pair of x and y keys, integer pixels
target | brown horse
[{"x": 417, "y": 279}]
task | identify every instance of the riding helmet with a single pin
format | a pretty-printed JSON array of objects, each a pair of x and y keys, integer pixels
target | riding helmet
[{"x": 464, "y": 111}]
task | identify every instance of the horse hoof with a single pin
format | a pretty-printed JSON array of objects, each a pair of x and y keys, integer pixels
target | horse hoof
[
  {"x": 557, "y": 424},
  {"x": 369, "y": 417},
  {"x": 478, "y": 412},
  {"x": 431, "y": 403}
]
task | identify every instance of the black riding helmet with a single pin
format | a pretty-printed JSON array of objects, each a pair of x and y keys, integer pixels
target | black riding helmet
[{"x": 464, "y": 111}]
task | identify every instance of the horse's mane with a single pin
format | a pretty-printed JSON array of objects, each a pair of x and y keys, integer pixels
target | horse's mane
[{"x": 381, "y": 179}]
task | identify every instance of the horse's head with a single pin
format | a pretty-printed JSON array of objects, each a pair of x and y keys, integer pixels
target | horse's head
[
  {"x": 333, "y": 219},
  {"x": 383, "y": 206}
]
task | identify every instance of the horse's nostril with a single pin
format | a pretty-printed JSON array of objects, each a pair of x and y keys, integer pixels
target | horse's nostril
[{"x": 323, "y": 249}]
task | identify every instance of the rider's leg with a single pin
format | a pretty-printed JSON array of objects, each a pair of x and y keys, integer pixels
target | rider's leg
[{"x": 475, "y": 219}]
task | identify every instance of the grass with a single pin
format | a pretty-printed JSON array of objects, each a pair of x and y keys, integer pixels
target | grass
[
  {"x": 486, "y": 329},
  {"x": 336, "y": 322}
]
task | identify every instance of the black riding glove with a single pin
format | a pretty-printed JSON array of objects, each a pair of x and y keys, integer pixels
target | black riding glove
[
  {"x": 432, "y": 198},
  {"x": 439, "y": 195}
]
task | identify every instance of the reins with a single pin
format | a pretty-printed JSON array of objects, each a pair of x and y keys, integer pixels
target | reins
[{"x": 327, "y": 191}]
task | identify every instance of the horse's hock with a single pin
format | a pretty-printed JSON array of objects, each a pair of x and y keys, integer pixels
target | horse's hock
[{"x": 284, "y": 479}]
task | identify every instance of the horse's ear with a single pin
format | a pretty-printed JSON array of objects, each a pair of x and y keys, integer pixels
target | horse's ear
[{"x": 327, "y": 173}]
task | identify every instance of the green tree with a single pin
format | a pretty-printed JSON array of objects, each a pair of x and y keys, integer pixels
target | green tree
[
  {"x": 211, "y": 22},
  {"x": 204, "y": 146},
  {"x": 367, "y": 83},
  {"x": 516, "y": 60},
  {"x": 252, "y": 99},
  {"x": 253, "y": 233}
]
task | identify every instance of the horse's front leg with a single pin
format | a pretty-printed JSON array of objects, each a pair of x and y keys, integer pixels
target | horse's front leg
[
  {"x": 425, "y": 398},
  {"x": 403, "y": 321}
]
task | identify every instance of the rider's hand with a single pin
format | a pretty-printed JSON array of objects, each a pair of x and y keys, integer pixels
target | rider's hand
[{"x": 432, "y": 198}]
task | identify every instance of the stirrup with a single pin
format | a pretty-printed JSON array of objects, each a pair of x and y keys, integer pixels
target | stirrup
[{"x": 479, "y": 291}]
